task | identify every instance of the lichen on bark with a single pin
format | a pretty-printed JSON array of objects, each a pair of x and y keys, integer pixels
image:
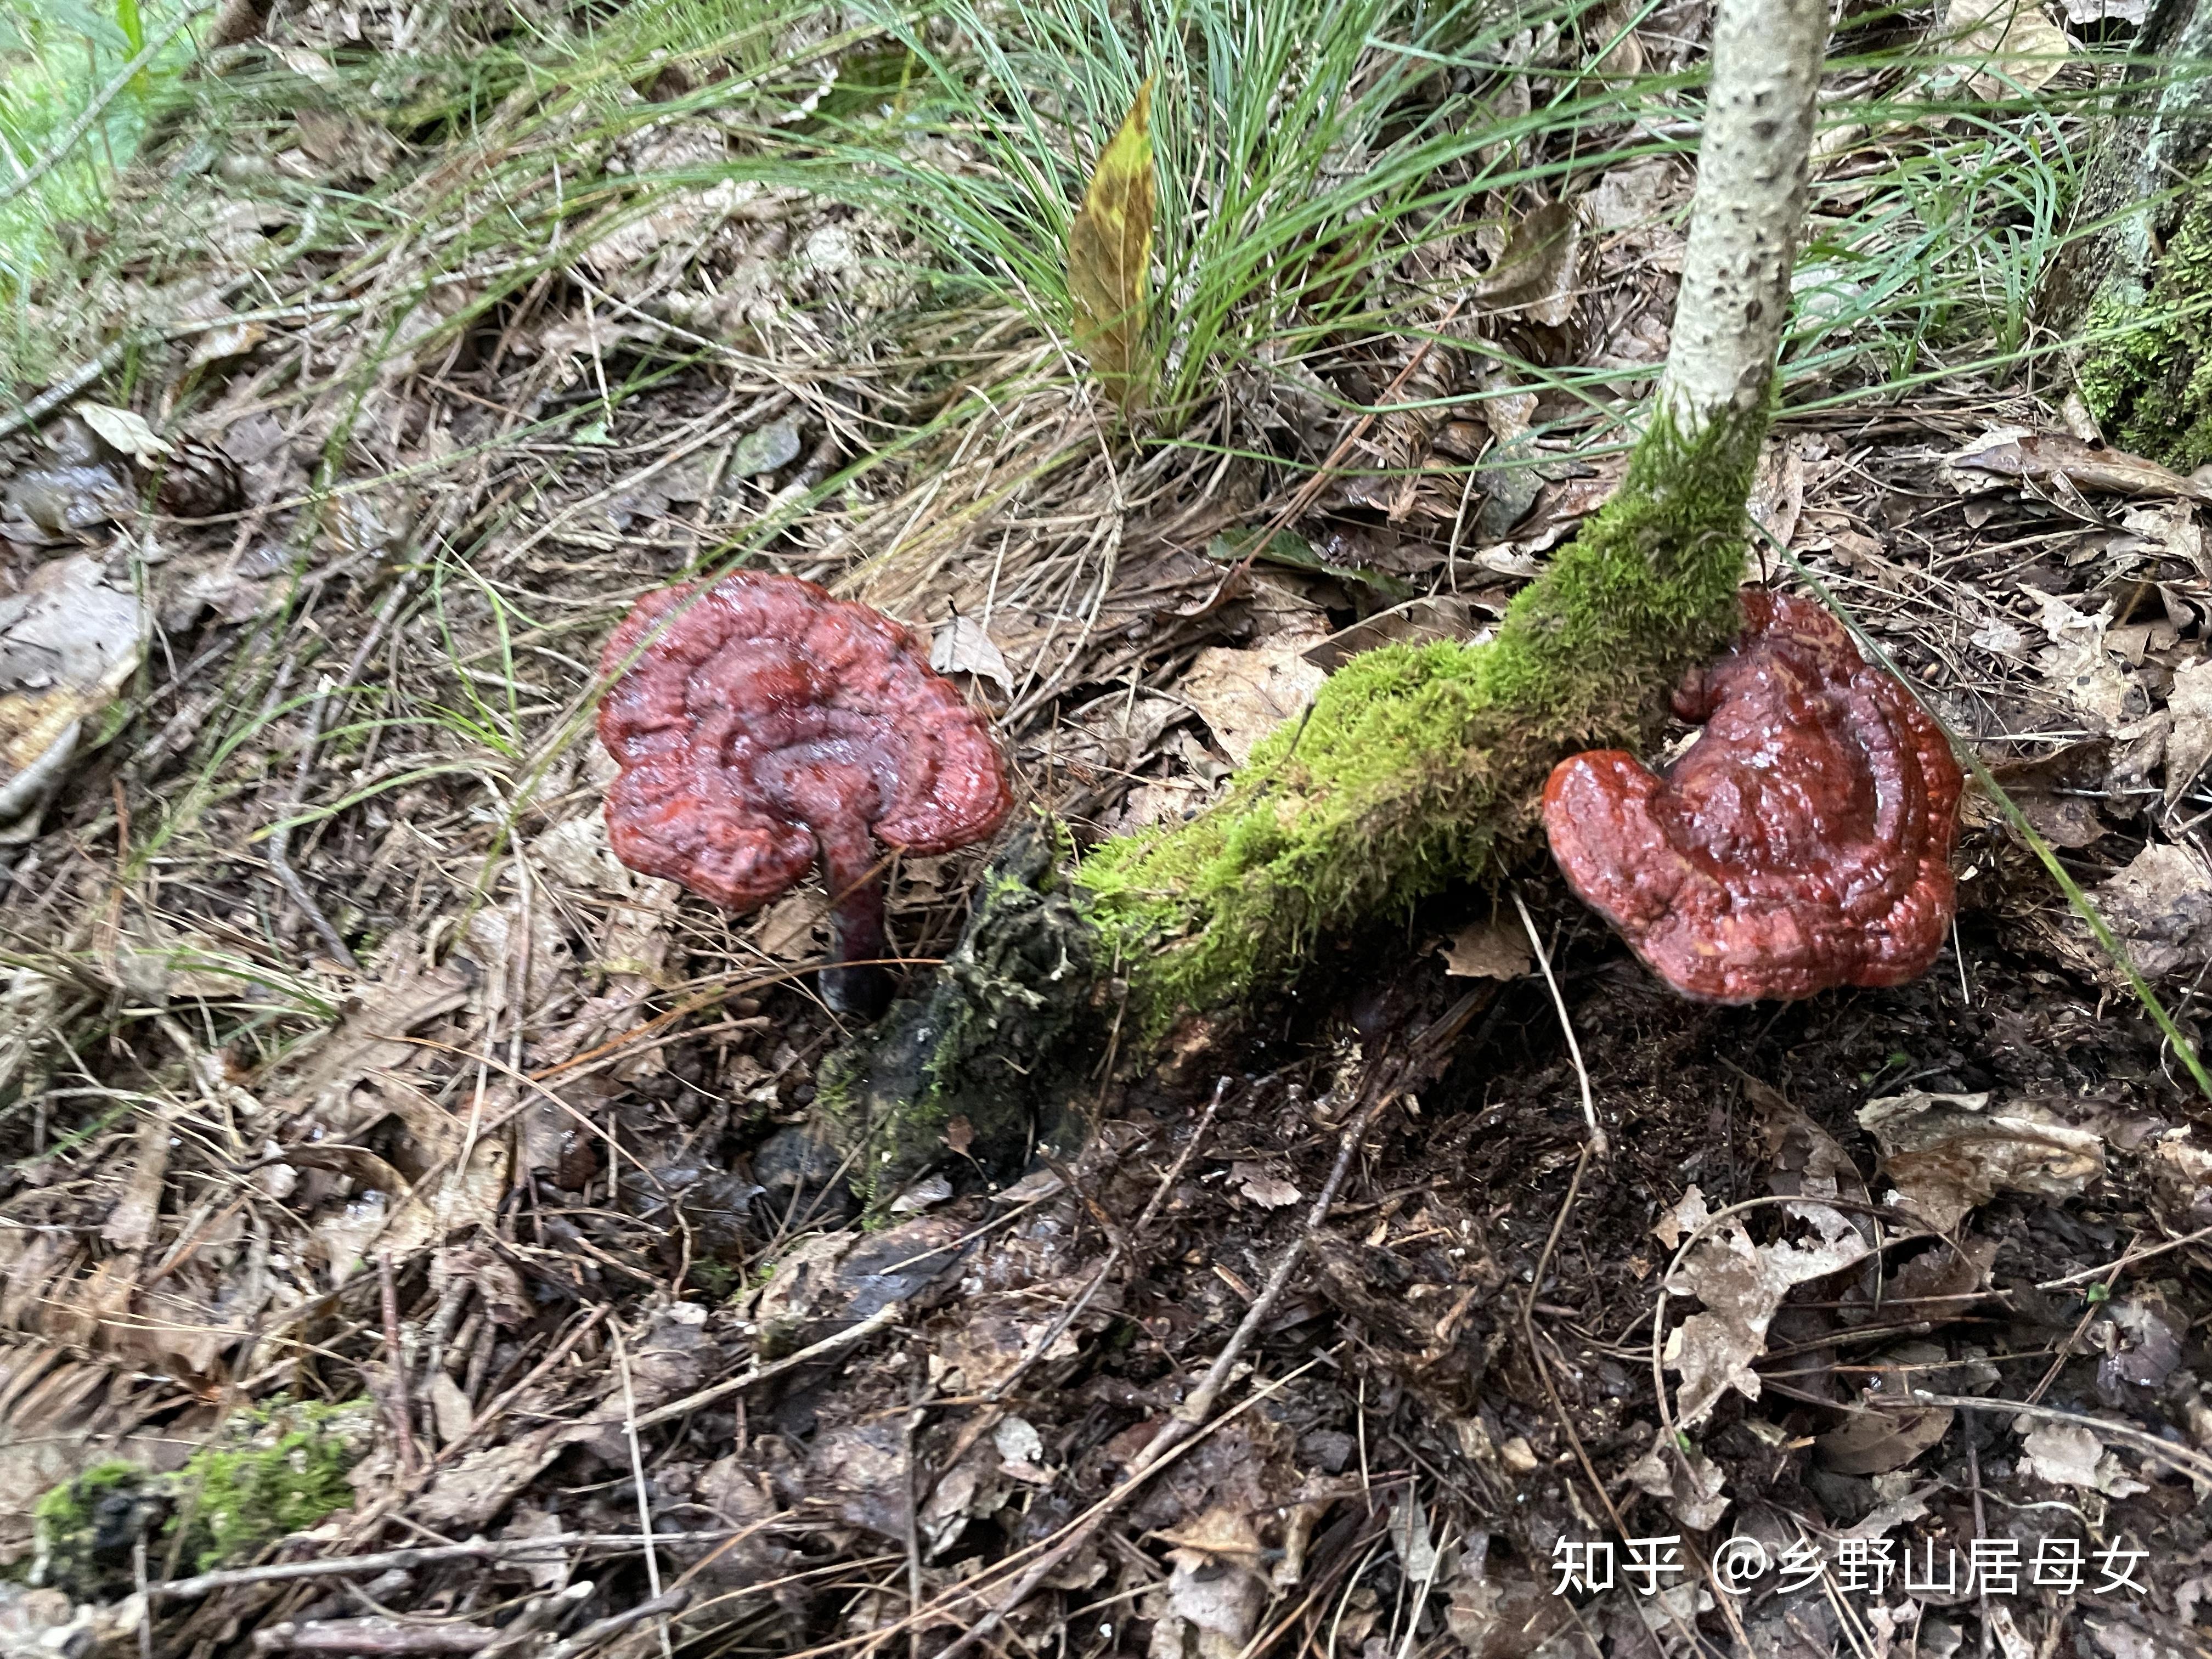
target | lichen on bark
[
  {"x": 2148, "y": 375},
  {"x": 2134, "y": 272}
]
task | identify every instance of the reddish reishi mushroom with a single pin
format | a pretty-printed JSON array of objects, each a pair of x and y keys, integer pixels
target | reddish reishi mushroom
[
  {"x": 1803, "y": 841},
  {"x": 764, "y": 725}
]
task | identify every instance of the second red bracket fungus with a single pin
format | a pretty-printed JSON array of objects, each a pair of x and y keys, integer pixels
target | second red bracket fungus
[
  {"x": 765, "y": 727},
  {"x": 1803, "y": 840}
]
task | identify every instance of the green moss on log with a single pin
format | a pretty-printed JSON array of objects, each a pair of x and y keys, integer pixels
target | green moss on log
[
  {"x": 2149, "y": 381},
  {"x": 1418, "y": 765}
]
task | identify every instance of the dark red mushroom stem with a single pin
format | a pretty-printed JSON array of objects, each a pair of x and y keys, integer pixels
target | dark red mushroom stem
[{"x": 859, "y": 984}]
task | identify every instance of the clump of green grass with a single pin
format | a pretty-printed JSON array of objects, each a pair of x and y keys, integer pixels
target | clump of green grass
[{"x": 58, "y": 65}]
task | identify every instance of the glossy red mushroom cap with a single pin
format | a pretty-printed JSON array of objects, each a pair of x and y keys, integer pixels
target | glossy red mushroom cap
[
  {"x": 1803, "y": 840},
  {"x": 765, "y": 726}
]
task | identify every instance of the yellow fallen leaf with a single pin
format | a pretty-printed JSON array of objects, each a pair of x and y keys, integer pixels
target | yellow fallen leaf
[
  {"x": 1110, "y": 253},
  {"x": 2011, "y": 45}
]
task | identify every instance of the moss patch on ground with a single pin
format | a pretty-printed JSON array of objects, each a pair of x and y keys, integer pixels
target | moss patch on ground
[
  {"x": 280, "y": 1469},
  {"x": 2150, "y": 382},
  {"x": 1419, "y": 765},
  {"x": 289, "y": 1474}
]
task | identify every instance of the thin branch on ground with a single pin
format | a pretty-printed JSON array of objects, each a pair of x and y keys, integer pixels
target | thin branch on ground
[
  {"x": 2194, "y": 1464},
  {"x": 868, "y": 1327}
]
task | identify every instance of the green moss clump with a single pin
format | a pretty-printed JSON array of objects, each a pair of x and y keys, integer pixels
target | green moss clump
[
  {"x": 235, "y": 1500},
  {"x": 1418, "y": 765},
  {"x": 86, "y": 1529},
  {"x": 281, "y": 1470},
  {"x": 2149, "y": 383}
]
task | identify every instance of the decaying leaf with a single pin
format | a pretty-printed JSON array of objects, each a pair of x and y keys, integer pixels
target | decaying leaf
[
  {"x": 1487, "y": 949},
  {"x": 2068, "y": 1455},
  {"x": 1242, "y": 695},
  {"x": 1886, "y": 1429},
  {"x": 1741, "y": 1286},
  {"x": 1214, "y": 1596},
  {"x": 1495, "y": 1614},
  {"x": 1269, "y": 1192},
  {"x": 1417, "y": 622},
  {"x": 1535, "y": 273},
  {"x": 2043, "y": 457},
  {"x": 1690, "y": 1481},
  {"x": 2160, "y": 907},
  {"x": 765, "y": 449},
  {"x": 2011, "y": 45},
  {"x": 2056, "y": 792},
  {"x": 67, "y": 643},
  {"x": 1109, "y": 254},
  {"x": 373, "y": 1036},
  {"x": 2189, "y": 744},
  {"x": 2149, "y": 1336},
  {"x": 1947, "y": 1153},
  {"x": 123, "y": 431},
  {"x": 131, "y": 1223},
  {"x": 2080, "y": 666},
  {"x": 962, "y": 646},
  {"x": 1877, "y": 1440}
]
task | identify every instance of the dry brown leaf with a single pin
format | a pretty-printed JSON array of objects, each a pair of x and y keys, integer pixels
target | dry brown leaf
[
  {"x": 1690, "y": 1481},
  {"x": 372, "y": 1037},
  {"x": 131, "y": 1223},
  {"x": 1213, "y": 1592},
  {"x": 69, "y": 640},
  {"x": 2053, "y": 791},
  {"x": 1876, "y": 1441},
  {"x": 961, "y": 647},
  {"x": 2080, "y": 666},
  {"x": 2044, "y": 457},
  {"x": 1109, "y": 255},
  {"x": 1947, "y": 1153},
  {"x": 2159, "y": 906},
  {"x": 1741, "y": 1286},
  {"x": 217, "y": 345},
  {"x": 2189, "y": 744},
  {"x": 1268, "y": 1191},
  {"x": 1536, "y": 272},
  {"x": 123, "y": 430},
  {"x": 1417, "y": 622},
  {"x": 794, "y": 928},
  {"x": 1242, "y": 695},
  {"x": 482, "y": 1483},
  {"x": 2009, "y": 44},
  {"x": 2068, "y": 1455},
  {"x": 1486, "y": 950}
]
